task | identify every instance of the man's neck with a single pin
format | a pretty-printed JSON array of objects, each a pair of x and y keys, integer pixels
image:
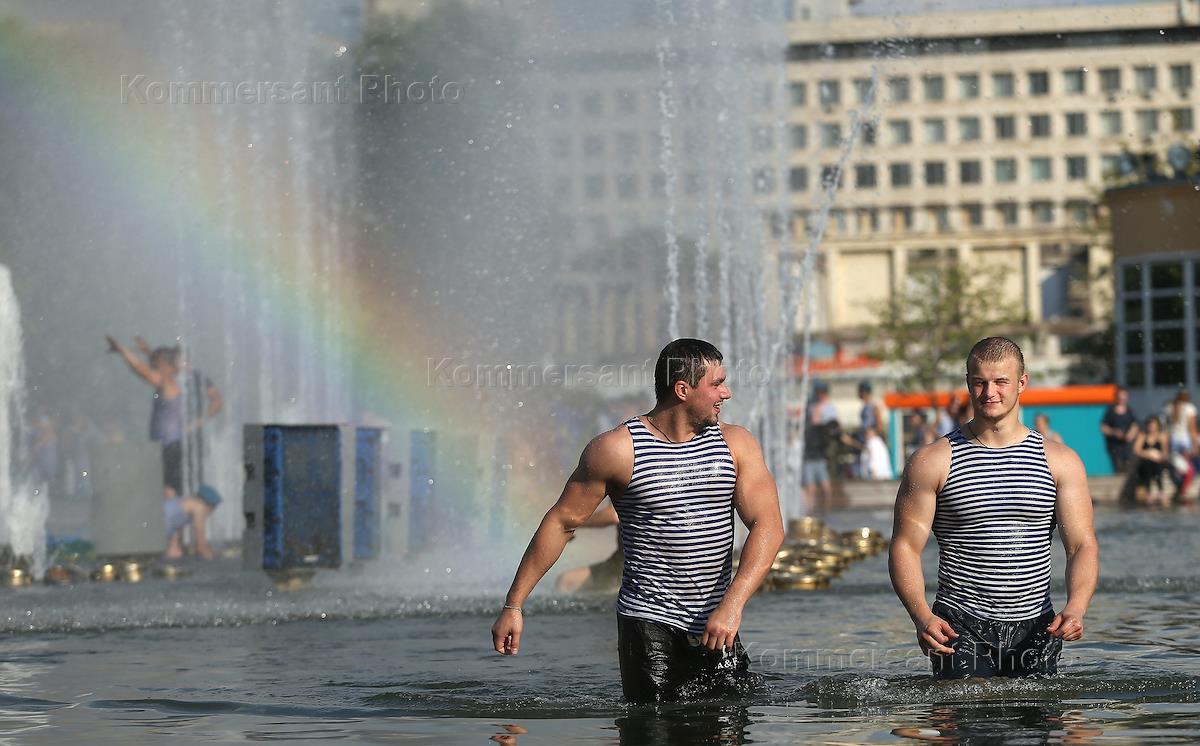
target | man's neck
[
  {"x": 1001, "y": 432},
  {"x": 673, "y": 423}
]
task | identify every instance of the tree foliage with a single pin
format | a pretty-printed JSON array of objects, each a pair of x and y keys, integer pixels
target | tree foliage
[{"x": 927, "y": 329}]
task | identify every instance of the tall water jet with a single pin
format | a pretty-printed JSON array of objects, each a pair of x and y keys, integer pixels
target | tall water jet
[{"x": 22, "y": 504}]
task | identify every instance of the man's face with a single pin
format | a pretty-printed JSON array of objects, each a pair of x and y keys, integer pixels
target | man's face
[
  {"x": 995, "y": 387},
  {"x": 1122, "y": 397},
  {"x": 706, "y": 397}
]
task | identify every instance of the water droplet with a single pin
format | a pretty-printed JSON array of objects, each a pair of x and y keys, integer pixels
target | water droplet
[
  {"x": 508, "y": 126},
  {"x": 430, "y": 481},
  {"x": 37, "y": 492},
  {"x": 84, "y": 474},
  {"x": 340, "y": 51},
  {"x": 497, "y": 82},
  {"x": 448, "y": 570},
  {"x": 520, "y": 404},
  {"x": 250, "y": 145},
  {"x": 1162, "y": 33},
  {"x": 322, "y": 615}
]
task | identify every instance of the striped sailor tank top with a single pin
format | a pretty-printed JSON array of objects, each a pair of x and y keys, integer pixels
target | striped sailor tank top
[
  {"x": 676, "y": 521},
  {"x": 993, "y": 523}
]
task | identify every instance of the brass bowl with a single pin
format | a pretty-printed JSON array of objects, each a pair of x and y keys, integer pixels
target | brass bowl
[
  {"x": 15, "y": 577},
  {"x": 170, "y": 572},
  {"x": 806, "y": 526},
  {"x": 62, "y": 575},
  {"x": 131, "y": 572},
  {"x": 798, "y": 582},
  {"x": 105, "y": 573}
]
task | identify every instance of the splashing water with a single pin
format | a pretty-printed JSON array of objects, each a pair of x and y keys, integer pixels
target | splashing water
[{"x": 23, "y": 505}]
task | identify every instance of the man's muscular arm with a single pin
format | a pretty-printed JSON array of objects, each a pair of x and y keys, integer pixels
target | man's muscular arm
[
  {"x": 606, "y": 461},
  {"x": 1073, "y": 510},
  {"x": 916, "y": 502},
  {"x": 757, "y": 503}
]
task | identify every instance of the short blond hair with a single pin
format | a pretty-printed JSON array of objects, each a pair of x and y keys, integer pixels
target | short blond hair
[{"x": 996, "y": 350}]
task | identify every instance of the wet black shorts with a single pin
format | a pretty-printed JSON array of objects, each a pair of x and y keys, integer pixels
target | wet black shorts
[
  {"x": 660, "y": 663},
  {"x": 992, "y": 648},
  {"x": 172, "y": 463}
]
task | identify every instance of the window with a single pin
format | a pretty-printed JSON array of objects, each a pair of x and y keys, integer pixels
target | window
[
  {"x": 560, "y": 147},
  {"x": 799, "y": 136},
  {"x": 867, "y": 219},
  {"x": 1147, "y": 122},
  {"x": 627, "y": 144},
  {"x": 972, "y": 214},
  {"x": 1039, "y": 83},
  {"x": 1110, "y": 166},
  {"x": 899, "y": 90},
  {"x": 968, "y": 129},
  {"x": 1076, "y": 124},
  {"x": 1110, "y": 122},
  {"x": 830, "y": 92},
  {"x": 1039, "y": 125},
  {"x": 693, "y": 183},
  {"x": 559, "y": 105},
  {"x": 864, "y": 176},
  {"x": 1043, "y": 212},
  {"x": 1145, "y": 78},
  {"x": 1006, "y": 170},
  {"x": 831, "y": 135},
  {"x": 935, "y": 130},
  {"x": 593, "y": 105},
  {"x": 764, "y": 180},
  {"x": 902, "y": 218},
  {"x": 593, "y": 146},
  {"x": 1074, "y": 82},
  {"x": 1181, "y": 77},
  {"x": 935, "y": 173},
  {"x": 901, "y": 174},
  {"x": 1007, "y": 213},
  {"x": 658, "y": 184},
  {"x": 798, "y": 93},
  {"x": 626, "y": 101},
  {"x": 1110, "y": 79},
  {"x": 1080, "y": 213},
  {"x": 970, "y": 172},
  {"x": 593, "y": 186},
  {"x": 562, "y": 187},
  {"x": 866, "y": 133},
  {"x": 939, "y": 218},
  {"x": 1181, "y": 120},
  {"x": 798, "y": 179},
  {"x": 1077, "y": 169},
  {"x": 831, "y": 176},
  {"x": 864, "y": 91},
  {"x": 1006, "y": 127},
  {"x": 1003, "y": 85},
  {"x": 968, "y": 86},
  {"x": 627, "y": 186},
  {"x": 899, "y": 131},
  {"x": 934, "y": 86},
  {"x": 763, "y": 139},
  {"x": 1040, "y": 169}
]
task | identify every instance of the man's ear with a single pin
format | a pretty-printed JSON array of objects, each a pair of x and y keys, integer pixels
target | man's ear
[
  {"x": 1022, "y": 382},
  {"x": 681, "y": 390}
]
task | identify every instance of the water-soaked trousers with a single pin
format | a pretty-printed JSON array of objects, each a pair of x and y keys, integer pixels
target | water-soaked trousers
[
  {"x": 987, "y": 647},
  {"x": 660, "y": 663}
]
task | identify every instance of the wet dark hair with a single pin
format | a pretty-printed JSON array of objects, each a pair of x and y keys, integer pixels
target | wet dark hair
[
  {"x": 995, "y": 350},
  {"x": 167, "y": 354},
  {"x": 684, "y": 360}
]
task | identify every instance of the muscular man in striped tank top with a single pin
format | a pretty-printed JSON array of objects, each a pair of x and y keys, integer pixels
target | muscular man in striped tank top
[
  {"x": 675, "y": 476},
  {"x": 992, "y": 493}
]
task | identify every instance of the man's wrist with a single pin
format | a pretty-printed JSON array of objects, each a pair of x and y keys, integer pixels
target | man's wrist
[{"x": 512, "y": 607}]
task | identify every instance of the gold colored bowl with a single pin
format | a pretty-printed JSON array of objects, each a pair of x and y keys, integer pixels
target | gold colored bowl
[
  {"x": 798, "y": 582},
  {"x": 105, "y": 573},
  {"x": 800, "y": 527},
  {"x": 15, "y": 577},
  {"x": 170, "y": 572},
  {"x": 131, "y": 572},
  {"x": 62, "y": 575}
]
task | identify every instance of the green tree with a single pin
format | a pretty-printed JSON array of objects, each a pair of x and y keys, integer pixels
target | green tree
[{"x": 928, "y": 328}]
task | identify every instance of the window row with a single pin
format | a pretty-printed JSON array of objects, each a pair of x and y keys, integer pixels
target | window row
[
  {"x": 903, "y": 174},
  {"x": 1145, "y": 78},
  {"x": 938, "y": 218},
  {"x": 967, "y": 129}
]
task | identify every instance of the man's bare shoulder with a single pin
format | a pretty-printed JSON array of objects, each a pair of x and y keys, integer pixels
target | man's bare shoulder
[
  {"x": 1063, "y": 460},
  {"x": 736, "y": 433},
  {"x": 610, "y": 452},
  {"x": 930, "y": 463}
]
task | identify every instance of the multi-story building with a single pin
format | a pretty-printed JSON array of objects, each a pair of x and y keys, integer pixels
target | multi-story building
[{"x": 987, "y": 139}]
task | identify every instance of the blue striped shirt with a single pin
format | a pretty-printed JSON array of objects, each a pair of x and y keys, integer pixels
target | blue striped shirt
[
  {"x": 677, "y": 527},
  {"x": 994, "y": 521}
]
